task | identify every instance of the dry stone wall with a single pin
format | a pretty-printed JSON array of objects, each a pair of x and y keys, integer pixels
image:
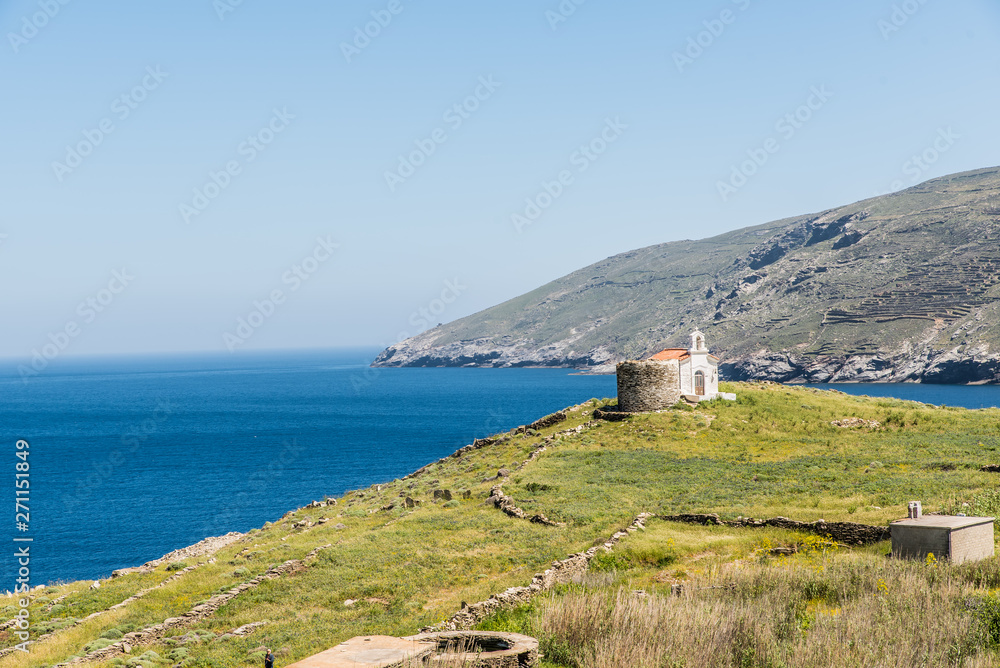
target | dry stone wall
[
  {"x": 154, "y": 633},
  {"x": 562, "y": 572},
  {"x": 205, "y": 547},
  {"x": 843, "y": 532},
  {"x": 648, "y": 385},
  {"x": 505, "y": 503},
  {"x": 478, "y": 443}
]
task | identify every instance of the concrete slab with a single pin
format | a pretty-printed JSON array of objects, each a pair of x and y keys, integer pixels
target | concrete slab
[
  {"x": 943, "y": 522},
  {"x": 368, "y": 652}
]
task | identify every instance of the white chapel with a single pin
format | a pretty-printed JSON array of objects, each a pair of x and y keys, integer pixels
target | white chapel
[{"x": 699, "y": 369}]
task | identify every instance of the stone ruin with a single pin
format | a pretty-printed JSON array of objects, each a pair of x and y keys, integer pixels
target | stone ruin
[{"x": 648, "y": 385}]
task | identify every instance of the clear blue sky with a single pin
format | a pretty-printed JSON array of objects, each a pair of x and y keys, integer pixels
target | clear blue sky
[{"x": 895, "y": 78}]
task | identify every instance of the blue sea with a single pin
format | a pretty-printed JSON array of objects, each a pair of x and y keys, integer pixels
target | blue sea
[{"x": 131, "y": 458}]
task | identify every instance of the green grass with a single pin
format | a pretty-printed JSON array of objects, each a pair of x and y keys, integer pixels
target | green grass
[
  {"x": 742, "y": 606},
  {"x": 773, "y": 452}
]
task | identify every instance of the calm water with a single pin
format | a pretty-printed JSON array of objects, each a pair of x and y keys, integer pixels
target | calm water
[{"x": 133, "y": 458}]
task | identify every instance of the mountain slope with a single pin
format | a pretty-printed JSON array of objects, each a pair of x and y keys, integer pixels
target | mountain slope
[{"x": 903, "y": 287}]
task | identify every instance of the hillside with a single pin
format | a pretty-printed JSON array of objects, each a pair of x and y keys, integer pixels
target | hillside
[
  {"x": 899, "y": 288},
  {"x": 371, "y": 562}
]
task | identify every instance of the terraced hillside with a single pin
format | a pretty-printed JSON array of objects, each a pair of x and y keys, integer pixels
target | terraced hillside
[
  {"x": 598, "y": 498},
  {"x": 903, "y": 287}
]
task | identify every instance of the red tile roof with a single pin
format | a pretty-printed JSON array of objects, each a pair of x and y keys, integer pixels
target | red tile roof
[{"x": 671, "y": 354}]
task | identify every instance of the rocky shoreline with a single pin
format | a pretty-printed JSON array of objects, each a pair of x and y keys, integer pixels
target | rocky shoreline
[
  {"x": 930, "y": 367},
  {"x": 950, "y": 367},
  {"x": 417, "y": 352}
]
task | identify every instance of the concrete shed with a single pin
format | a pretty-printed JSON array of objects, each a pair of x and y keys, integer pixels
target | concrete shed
[{"x": 958, "y": 539}]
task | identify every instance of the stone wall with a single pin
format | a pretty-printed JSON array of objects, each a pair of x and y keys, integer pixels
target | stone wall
[
  {"x": 196, "y": 615},
  {"x": 547, "y": 421},
  {"x": 505, "y": 503},
  {"x": 648, "y": 385},
  {"x": 562, "y": 572},
  {"x": 850, "y": 533}
]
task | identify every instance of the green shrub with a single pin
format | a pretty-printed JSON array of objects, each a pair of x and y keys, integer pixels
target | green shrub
[
  {"x": 988, "y": 616},
  {"x": 558, "y": 652},
  {"x": 177, "y": 565},
  {"x": 511, "y": 620},
  {"x": 538, "y": 487},
  {"x": 112, "y": 633},
  {"x": 54, "y": 625},
  {"x": 651, "y": 557},
  {"x": 604, "y": 562},
  {"x": 95, "y": 645},
  {"x": 148, "y": 660},
  {"x": 178, "y": 654},
  {"x": 985, "y": 573}
]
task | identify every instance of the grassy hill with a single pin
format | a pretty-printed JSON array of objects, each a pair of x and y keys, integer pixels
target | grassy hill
[
  {"x": 370, "y": 564},
  {"x": 903, "y": 287}
]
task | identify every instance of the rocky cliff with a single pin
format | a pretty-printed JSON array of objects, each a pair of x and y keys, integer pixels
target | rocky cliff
[{"x": 899, "y": 288}]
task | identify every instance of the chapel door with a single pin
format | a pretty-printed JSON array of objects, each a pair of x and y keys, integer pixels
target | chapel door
[{"x": 699, "y": 383}]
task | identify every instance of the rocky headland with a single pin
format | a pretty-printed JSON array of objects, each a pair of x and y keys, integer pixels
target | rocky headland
[{"x": 899, "y": 288}]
